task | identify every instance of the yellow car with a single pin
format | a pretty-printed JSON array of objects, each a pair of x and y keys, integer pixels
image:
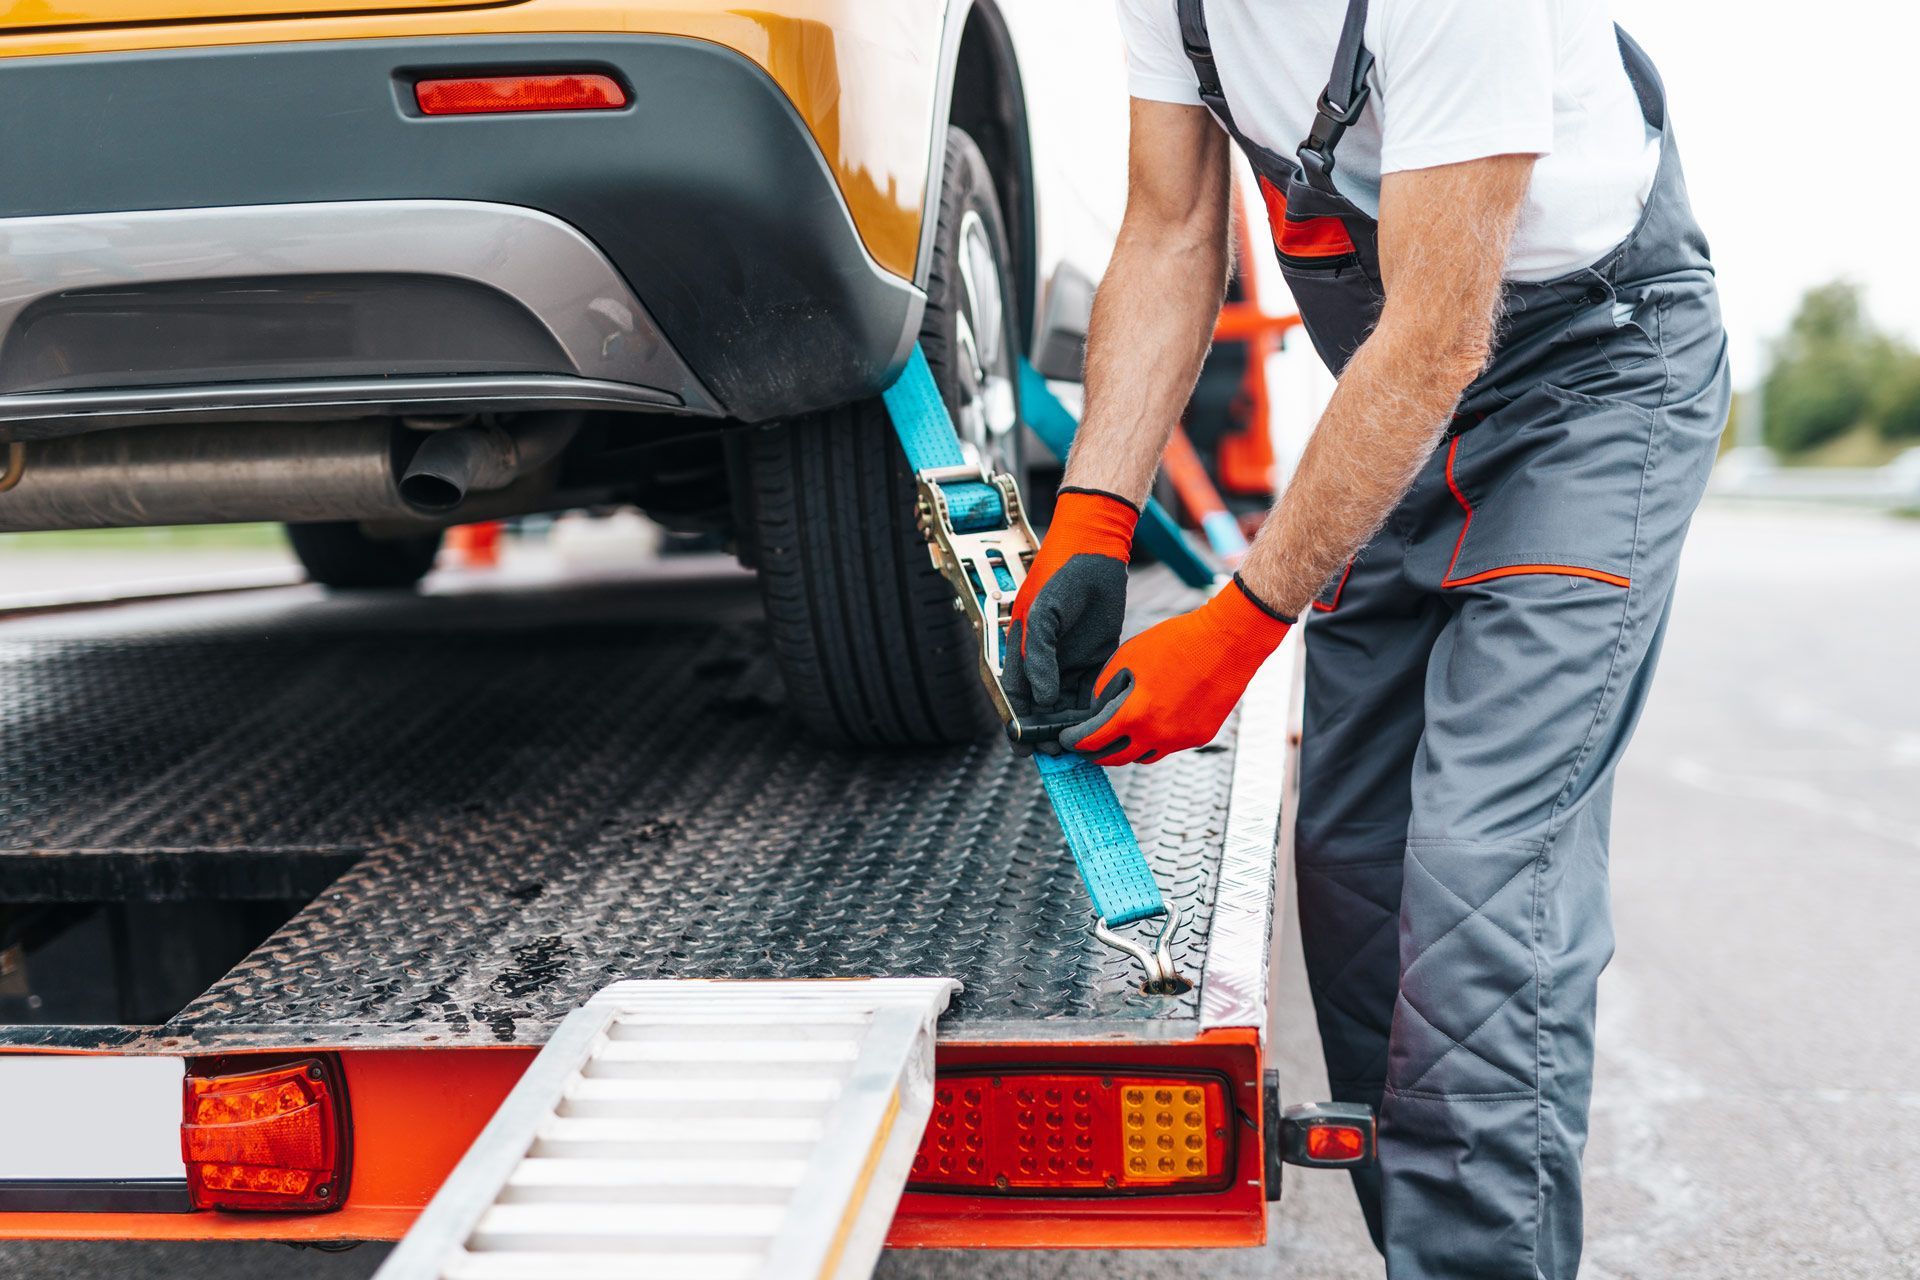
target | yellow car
[{"x": 376, "y": 270}]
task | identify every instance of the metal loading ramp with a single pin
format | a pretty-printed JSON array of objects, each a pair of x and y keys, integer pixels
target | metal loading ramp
[{"x": 696, "y": 1130}]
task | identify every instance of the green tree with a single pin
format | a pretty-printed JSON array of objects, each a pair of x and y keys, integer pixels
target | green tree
[
  {"x": 1811, "y": 402},
  {"x": 1826, "y": 370},
  {"x": 1896, "y": 409},
  {"x": 1830, "y": 315}
]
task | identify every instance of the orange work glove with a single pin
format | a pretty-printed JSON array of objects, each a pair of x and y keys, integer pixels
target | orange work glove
[
  {"x": 1067, "y": 617},
  {"x": 1172, "y": 686}
]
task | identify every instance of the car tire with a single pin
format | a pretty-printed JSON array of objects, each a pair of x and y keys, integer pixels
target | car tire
[
  {"x": 340, "y": 555},
  {"x": 868, "y": 636}
]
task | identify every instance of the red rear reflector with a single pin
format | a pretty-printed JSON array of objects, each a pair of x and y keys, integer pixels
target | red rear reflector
[
  {"x": 486, "y": 95},
  {"x": 1075, "y": 1133},
  {"x": 264, "y": 1140},
  {"x": 1336, "y": 1144},
  {"x": 1324, "y": 1134}
]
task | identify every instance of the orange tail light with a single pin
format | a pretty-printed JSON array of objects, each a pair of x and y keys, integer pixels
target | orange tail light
[
  {"x": 266, "y": 1140},
  {"x": 1081, "y": 1133},
  {"x": 491, "y": 95}
]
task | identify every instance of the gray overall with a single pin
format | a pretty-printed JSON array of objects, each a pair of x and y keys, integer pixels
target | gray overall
[{"x": 1472, "y": 681}]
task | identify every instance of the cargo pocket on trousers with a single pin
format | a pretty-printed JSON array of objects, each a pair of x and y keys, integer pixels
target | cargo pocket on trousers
[
  {"x": 1329, "y": 598},
  {"x": 1550, "y": 484}
]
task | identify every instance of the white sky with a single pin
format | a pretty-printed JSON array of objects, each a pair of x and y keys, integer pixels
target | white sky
[{"x": 1754, "y": 84}]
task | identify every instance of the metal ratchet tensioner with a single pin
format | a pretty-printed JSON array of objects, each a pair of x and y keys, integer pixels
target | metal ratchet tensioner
[{"x": 985, "y": 569}]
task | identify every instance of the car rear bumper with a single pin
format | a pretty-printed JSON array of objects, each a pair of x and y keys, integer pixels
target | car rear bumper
[
  {"x": 689, "y": 252},
  {"x": 375, "y": 306}
]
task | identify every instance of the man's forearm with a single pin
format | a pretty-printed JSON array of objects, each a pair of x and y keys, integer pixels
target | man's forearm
[
  {"x": 1444, "y": 234},
  {"x": 1152, "y": 323},
  {"x": 1387, "y": 414}
]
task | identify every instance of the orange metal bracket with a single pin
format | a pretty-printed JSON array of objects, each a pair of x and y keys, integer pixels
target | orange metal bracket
[
  {"x": 1245, "y": 460},
  {"x": 416, "y": 1111},
  {"x": 476, "y": 546}
]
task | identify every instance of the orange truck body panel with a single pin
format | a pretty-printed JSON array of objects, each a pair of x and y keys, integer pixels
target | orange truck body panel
[{"x": 416, "y": 1111}]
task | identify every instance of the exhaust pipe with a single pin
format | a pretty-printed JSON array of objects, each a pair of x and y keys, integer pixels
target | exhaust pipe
[
  {"x": 297, "y": 472},
  {"x": 225, "y": 474},
  {"x": 457, "y": 461}
]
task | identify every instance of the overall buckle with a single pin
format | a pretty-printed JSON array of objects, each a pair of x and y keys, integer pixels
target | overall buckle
[
  {"x": 1351, "y": 112},
  {"x": 1329, "y": 124}
]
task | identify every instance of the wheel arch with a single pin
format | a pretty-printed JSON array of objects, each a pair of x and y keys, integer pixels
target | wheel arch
[{"x": 982, "y": 94}]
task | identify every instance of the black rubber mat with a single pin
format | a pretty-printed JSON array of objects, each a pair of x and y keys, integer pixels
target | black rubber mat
[{"x": 547, "y": 790}]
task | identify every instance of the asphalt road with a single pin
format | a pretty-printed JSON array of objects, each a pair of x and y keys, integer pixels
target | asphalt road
[{"x": 1757, "y": 1107}]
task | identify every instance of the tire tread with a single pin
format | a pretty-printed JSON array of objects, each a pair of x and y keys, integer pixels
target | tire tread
[{"x": 869, "y": 642}]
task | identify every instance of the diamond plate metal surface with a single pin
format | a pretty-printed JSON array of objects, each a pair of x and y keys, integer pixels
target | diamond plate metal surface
[{"x": 558, "y": 788}]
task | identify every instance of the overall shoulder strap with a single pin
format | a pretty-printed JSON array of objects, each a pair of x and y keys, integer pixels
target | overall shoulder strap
[
  {"x": 1193, "y": 37},
  {"x": 1645, "y": 78},
  {"x": 1199, "y": 49},
  {"x": 1342, "y": 100}
]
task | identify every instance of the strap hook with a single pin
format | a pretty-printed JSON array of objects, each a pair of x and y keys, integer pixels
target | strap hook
[{"x": 1162, "y": 977}]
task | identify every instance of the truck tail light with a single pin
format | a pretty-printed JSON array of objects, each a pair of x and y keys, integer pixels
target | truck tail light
[
  {"x": 1326, "y": 1135},
  {"x": 1336, "y": 1144},
  {"x": 266, "y": 1140},
  {"x": 1079, "y": 1133},
  {"x": 493, "y": 95}
]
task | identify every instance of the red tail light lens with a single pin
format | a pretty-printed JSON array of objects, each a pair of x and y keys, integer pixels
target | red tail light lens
[
  {"x": 265, "y": 1139},
  {"x": 487, "y": 95},
  {"x": 1075, "y": 1134},
  {"x": 1336, "y": 1144}
]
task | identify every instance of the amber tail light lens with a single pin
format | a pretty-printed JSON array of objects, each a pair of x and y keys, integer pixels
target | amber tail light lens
[
  {"x": 266, "y": 1140},
  {"x": 1076, "y": 1133}
]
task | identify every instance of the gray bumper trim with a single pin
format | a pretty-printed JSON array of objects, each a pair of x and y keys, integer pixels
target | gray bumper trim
[
  {"x": 43, "y": 415},
  {"x": 617, "y": 352}
]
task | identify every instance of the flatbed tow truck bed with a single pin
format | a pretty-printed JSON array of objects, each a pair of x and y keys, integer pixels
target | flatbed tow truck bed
[{"x": 450, "y": 819}]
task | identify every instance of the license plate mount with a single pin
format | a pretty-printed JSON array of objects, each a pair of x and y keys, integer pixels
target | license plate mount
[{"x": 91, "y": 1133}]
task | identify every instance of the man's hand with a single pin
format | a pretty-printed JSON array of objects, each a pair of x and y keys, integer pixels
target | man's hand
[
  {"x": 1066, "y": 619},
  {"x": 1172, "y": 686}
]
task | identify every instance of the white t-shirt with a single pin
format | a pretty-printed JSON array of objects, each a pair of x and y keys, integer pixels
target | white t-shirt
[{"x": 1453, "y": 80}]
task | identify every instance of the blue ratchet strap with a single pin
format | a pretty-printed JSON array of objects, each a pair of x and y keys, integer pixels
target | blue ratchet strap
[
  {"x": 1223, "y": 535},
  {"x": 1118, "y": 878},
  {"x": 1102, "y": 841},
  {"x": 1055, "y": 424},
  {"x": 926, "y": 433}
]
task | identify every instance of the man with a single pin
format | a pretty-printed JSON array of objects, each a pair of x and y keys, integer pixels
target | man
[{"x": 1482, "y": 216}]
